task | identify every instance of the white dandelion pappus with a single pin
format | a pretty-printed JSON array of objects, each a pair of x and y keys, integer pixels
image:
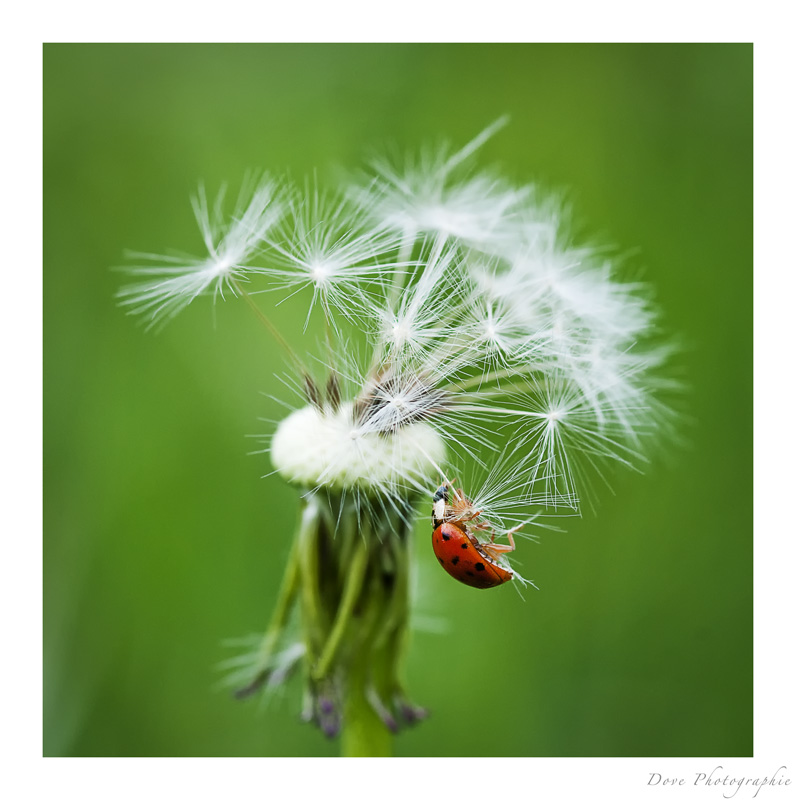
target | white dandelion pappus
[
  {"x": 426, "y": 313},
  {"x": 423, "y": 195},
  {"x": 178, "y": 280},
  {"x": 324, "y": 243}
]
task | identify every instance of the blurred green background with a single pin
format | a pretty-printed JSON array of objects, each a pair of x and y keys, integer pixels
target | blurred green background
[{"x": 162, "y": 539}]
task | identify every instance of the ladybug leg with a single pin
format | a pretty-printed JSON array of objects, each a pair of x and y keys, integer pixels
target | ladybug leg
[
  {"x": 496, "y": 550},
  {"x": 482, "y": 525}
]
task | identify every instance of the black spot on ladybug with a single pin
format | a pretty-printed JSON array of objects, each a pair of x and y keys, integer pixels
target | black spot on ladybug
[
  {"x": 445, "y": 537},
  {"x": 455, "y": 560},
  {"x": 470, "y": 573},
  {"x": 464, "y": 546},
  {"x": 441, "y": 560},
  {"x": 480, "y": 567}
]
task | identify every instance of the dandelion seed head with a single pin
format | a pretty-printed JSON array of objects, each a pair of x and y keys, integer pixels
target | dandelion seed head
[
  {"x": 469, "y": 341},
  {"x": 314, "y": 449},
  {"x": 487, "y": 326}
]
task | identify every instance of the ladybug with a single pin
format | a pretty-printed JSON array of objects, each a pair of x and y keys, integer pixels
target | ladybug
[{"x": 461, "y": 555}]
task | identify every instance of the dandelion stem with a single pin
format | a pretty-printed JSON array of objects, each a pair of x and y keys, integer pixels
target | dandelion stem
[
  {"x": 364, "y": 734},
  {"x": 368, "y": 724}
]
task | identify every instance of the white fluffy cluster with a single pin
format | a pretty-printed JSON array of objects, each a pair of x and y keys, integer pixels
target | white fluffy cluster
[
  {"x": 486, "y": 328},
  {"x": 313, "y": 449}
]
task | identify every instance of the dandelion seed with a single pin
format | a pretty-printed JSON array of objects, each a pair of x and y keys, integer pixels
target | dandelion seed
[
  {"x": 324, "y": 245},
  {"x": 176, "y": 281},
  {"x": 423, "y": 195}
]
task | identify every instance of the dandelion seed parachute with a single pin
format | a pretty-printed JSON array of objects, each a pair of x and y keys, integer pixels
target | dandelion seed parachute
[{"x": 173, "y": 282}]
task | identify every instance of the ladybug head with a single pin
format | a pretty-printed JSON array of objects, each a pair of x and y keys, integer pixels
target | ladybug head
[{"x": 439, "y": 505}]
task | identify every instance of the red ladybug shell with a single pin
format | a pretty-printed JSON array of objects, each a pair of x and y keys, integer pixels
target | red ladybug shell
[{"x": 461, "y": 558}]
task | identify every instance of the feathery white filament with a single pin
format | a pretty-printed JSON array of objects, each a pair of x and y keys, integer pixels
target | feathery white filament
[{"x": 176, "y": 281}]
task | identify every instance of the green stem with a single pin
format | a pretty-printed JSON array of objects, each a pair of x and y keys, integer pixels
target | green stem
[
  {"x": 369, "y": 682},
  {"x": 364, "y": 734}
]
